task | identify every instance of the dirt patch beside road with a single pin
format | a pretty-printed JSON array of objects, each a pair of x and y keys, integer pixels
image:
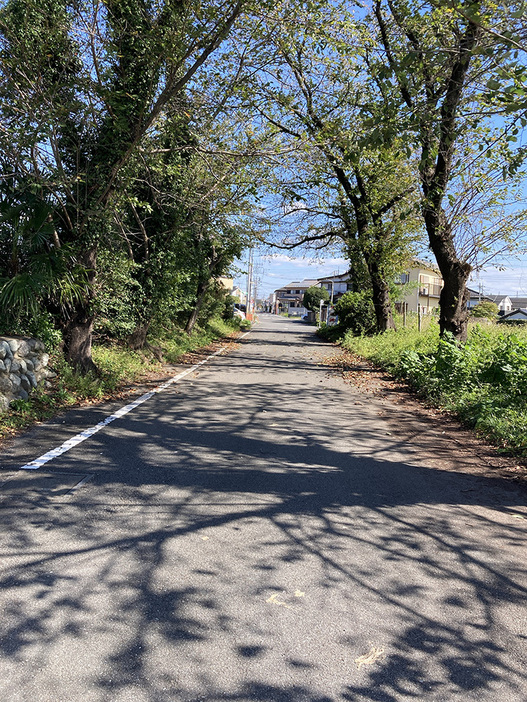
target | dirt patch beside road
[{"x": 438, "y": 435}]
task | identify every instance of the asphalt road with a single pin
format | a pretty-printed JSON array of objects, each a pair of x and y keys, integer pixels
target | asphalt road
[{"x": 260, "y": 531}]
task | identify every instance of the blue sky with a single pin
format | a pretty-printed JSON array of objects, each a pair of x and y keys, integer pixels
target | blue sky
[{"x": 278, "y": 270}]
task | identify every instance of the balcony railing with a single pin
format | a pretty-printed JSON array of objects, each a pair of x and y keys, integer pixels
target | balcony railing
[{"x": 430, "y": 290}]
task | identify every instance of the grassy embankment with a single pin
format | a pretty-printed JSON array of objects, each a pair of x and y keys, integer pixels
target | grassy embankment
[
  {"x": 119, "y": 368},
  {"x": 483, "y": 382}
]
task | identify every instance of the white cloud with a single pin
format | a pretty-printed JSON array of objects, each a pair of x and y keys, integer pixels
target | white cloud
[
  {"x": 512, "y": 281},
  {"x": 323, "y": 264}
]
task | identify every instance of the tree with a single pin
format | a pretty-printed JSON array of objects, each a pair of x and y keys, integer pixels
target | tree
[
  {"x": 312, "y": 104},
  {"x": 356, "y": 313},
  {"x": 313, "y": 296},
  {"x": 33, "y": 271},
  {"x": 437, "y": 59},
  {"x": 83, "y": 85}
]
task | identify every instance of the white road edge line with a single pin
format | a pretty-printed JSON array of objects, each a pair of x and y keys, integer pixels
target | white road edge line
[{"x": 79, "y": 438}]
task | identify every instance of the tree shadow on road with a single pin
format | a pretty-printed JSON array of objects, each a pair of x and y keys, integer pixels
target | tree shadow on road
[{"x": 210, "y": 548}]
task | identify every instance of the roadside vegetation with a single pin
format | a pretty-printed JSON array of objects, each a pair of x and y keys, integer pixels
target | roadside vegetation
[{"x": 483, "y": 382}]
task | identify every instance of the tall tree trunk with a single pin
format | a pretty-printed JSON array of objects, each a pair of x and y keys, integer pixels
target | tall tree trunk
[
  {"x": 445, "y": 89},
  {"x": 79, "y": 328},
  {"x": 200, "y": 299},
  {"x": 78, "y": 343},
  {"x": 453, "y": 300},
  {"x": 381, "y": 298},
  {"x": 435, "y": 177},
  {"x": 370, "y": 240},
  {"x": 360, "y": 276},
  {"x": 453, "y": 313}
]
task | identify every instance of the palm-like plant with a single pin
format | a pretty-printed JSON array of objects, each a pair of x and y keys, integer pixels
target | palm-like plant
[{"x": 36, "y": 272}]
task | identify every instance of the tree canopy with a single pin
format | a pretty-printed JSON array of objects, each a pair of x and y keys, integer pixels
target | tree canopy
[{"x": 145, "y": 144}]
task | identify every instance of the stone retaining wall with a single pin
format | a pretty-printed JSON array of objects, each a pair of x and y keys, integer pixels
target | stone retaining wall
[{"x": 23, "y": 364}]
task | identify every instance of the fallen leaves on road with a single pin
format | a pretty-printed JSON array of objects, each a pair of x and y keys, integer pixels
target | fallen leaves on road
[
  {"x": 274, "y": 600},
  {"x": 369, "y": 658},
  {"x": 360, "y": 373}
]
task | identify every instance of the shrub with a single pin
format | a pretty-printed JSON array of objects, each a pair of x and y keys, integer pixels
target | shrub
[
  {"x": 356, "y": 313},
  {"x": 485, "y": 309},
  {"x": 39, "y": 325}
]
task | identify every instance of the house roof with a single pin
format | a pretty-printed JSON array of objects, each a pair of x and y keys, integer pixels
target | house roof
[
  {"x": 516, "y": 314},
  {"x": 340, "y": 278},
  {"x": 298, "y": 284},
  {"x": 428, "y": 265},
  {"x": 498, "y": 298},
  {"x": 518, "y": 302},
  {"x": 476, "y": 294},
  {"x": 493, "y": 298}
]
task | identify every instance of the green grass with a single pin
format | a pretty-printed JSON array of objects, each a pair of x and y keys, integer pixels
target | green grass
[
  {"x": 483, "y": 382},
  {"x": 385, "y": 350},
  {"x": 176, "y": 343},
  {"x": 119, "y": 367}
]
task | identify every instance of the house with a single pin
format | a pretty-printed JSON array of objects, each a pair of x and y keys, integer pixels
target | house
[
  {"x": 336, "y": 285},
  {"x": 502, "y": 301},
  {"x": 518, "y": 315},
  {"x": 518, "y": 303},
  {"x": 289, "y": 298},
  {"x": 427, "y": 285},
  {"x": 227, "y": 283},
  {"x": 240, "y": 295}
]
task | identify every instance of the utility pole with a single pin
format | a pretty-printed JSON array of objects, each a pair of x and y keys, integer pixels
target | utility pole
[
  {"x": 256, "y": 285},
  {"x": 249, "y": 282}
]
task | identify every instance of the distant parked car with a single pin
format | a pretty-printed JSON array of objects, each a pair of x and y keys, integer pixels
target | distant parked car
[{"x": 239, "y": 314}]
